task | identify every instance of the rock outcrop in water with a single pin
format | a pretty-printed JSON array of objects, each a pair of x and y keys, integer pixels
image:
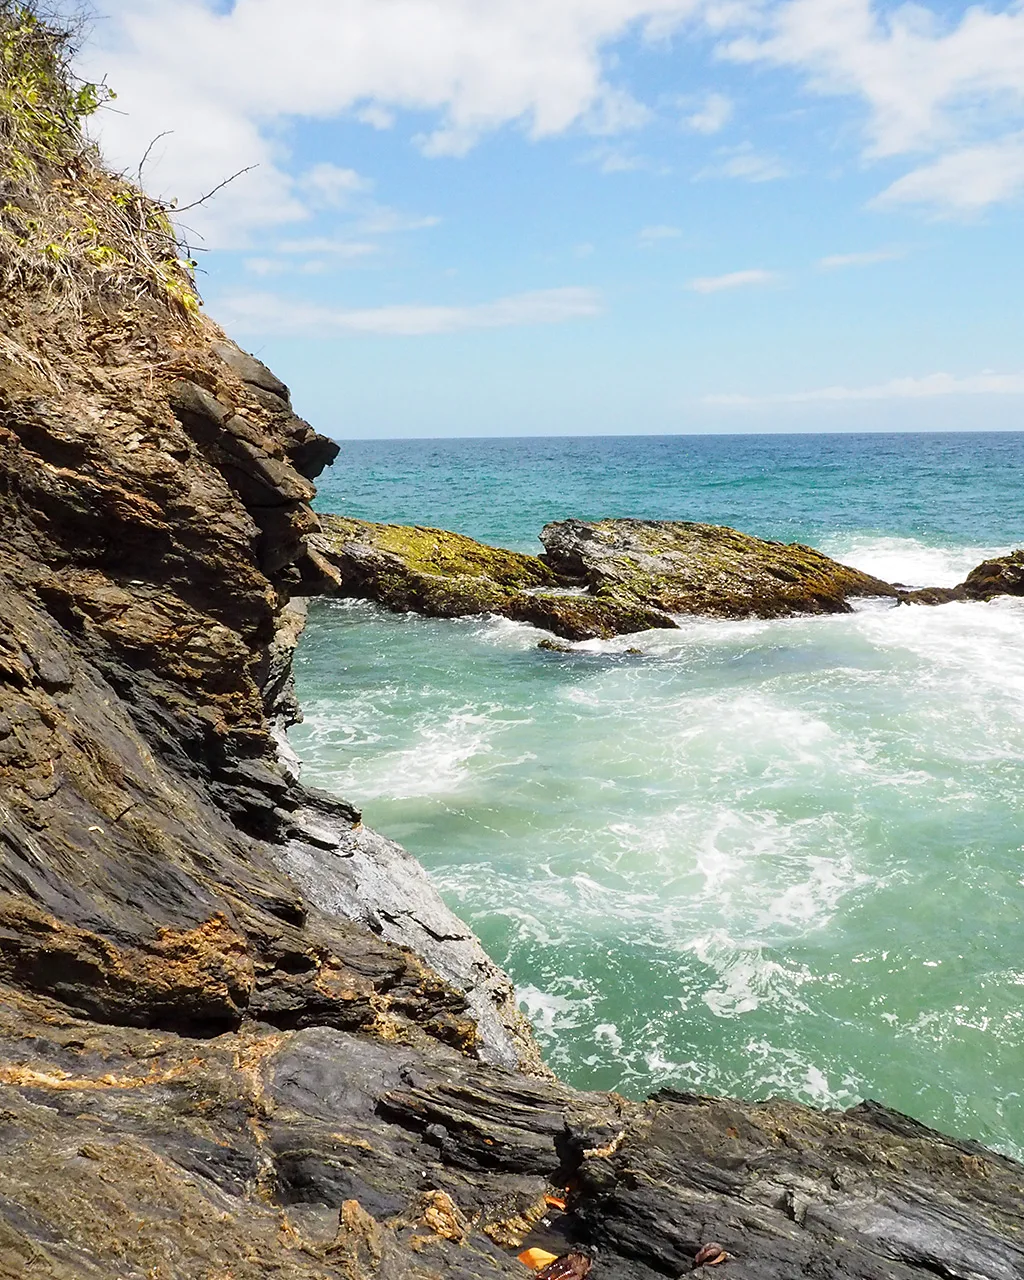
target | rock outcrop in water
[
  {"x": 680, "y": 567},
  {"x": 446, "y": 575},
  {"x": 240, "y": 1036},
  {"x": 1002, "y": 576},
  {"x": 596, "y": 579}
]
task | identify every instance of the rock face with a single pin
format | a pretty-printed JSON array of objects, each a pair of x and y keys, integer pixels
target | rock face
[
  {"x": 320, "y": 1154},
  {"x": 679, "y": 567},
  {"x": 1003, "y": 576},
  {"x": 239, "y": 1034},
  {"x": 596, "y": 579}
]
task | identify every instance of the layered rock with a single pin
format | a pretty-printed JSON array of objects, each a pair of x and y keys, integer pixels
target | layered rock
[
  {"x": 596, "y": 579},
  {"x": 319, "y": 1154},
  {"x": 157, "y": 522}
]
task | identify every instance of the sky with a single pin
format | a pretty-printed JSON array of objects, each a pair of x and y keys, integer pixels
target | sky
[{"x": 517, "y": 217}]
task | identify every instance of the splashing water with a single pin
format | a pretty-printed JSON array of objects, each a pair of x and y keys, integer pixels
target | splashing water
[{"x": 763, "y": 857}]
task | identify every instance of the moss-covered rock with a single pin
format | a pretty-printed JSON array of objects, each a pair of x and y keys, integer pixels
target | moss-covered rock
[
  {"x": 681, "y": 567},
  {"x": 446, "y": 575},
  {"x": 410, "y": 568},
  {"x": 1003, "y": 576},
  {"x": 597, "y": 580}
]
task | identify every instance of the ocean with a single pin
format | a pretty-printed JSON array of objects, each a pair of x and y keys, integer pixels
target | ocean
[{"x": 759, "y": 858}]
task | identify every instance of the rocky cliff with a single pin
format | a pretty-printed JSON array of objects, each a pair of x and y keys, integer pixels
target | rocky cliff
[{"x": 240, "y": 1036}]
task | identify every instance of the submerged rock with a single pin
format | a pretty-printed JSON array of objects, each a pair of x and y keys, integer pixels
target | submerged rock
[{"x": 680, "y": 567}]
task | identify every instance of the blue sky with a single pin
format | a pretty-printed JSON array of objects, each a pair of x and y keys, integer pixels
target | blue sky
[{"x": 507, "y": 217}]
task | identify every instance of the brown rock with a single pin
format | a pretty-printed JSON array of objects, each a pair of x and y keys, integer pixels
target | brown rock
[{"x": 679, "y": 567}]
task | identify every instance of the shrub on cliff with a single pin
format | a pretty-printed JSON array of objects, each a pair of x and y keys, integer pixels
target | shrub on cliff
[{"x": 69, "y": 229}]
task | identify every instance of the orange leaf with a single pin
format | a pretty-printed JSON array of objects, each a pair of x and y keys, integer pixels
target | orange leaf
[{"x": 536, "y": 1258}]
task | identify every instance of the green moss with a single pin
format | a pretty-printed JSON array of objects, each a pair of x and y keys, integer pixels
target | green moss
[
  {"x": 436, "y": 552},
  {"x": 683, "y": 567},
  {"x": 638, "y": 574}
]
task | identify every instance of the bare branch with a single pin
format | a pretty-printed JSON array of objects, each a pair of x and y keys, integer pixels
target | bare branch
[
  {"x": 219, "y": 187},
  {"x": 142, "y": 163}
]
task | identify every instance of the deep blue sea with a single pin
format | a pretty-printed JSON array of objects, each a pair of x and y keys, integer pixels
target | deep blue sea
[{"x": 760, "y": 858}]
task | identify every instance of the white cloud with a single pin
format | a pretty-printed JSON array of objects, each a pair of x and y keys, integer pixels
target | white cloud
[
  {"x": 265, "y": 266},
  {"x": 610, "y": 159},
  {"x": 376, "y": 117},
  {"x": 229, "y": 80},
  {"x": 747, "y": 164},
  {"x": 963, "y": 182},
  {"x": 379, "y": 221},
  {"x": 325, "y": 244},
  {"x": 222, "y": 80},
  {"x": 266, "y": 314},
  {"x": 932, "y": 83},
  {"x": 935, "y": 384},
  {"x": 713, "y": 116},
  {"x": 867, "y": 258},
  {"x": 331, "y": 187},
  {"x": 650, "y": 236},
  {"x": 734, "y": 280}
]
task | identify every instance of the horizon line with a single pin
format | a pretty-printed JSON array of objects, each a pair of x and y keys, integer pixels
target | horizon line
[{"x": 702, "y": 435}]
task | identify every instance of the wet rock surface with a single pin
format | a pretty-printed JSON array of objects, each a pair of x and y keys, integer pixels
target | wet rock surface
[
  {"x": 322, "y": 1153},
  {"x": 1002, "y": 576},
  {"x": 596, "y": 579}
]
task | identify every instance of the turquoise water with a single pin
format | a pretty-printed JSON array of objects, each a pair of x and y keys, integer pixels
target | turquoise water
[{"x": 761, "y": 858}]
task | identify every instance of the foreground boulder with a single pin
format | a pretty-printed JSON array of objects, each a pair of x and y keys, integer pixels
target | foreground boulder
[
  {"x": 596, "y": 579},
  {"x": 320, "y": 1154},
  {"x": 1001, "y": 576}
]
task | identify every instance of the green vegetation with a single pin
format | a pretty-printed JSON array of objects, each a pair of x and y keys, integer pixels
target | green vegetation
[
  {"x": 437, "y": 552},
  {"x": 69, "y": 229},
  {"x": 447, "y": 575}
]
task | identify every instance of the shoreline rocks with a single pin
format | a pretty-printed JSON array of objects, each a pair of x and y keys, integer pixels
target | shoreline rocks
[
  {"x": 710, "y": 570},
  {"x": 1001, "y": 576},
  {"x": 240, "y": 1035},
  {"x": 596, "y": 579}
]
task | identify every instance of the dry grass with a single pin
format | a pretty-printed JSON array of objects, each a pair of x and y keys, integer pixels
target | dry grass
[{"x": 71, "y": 231}]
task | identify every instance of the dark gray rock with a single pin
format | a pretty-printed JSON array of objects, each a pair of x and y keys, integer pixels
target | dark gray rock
[
  {"x": 249, "y": 369},
  {"x": 353, "y": 872}
]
